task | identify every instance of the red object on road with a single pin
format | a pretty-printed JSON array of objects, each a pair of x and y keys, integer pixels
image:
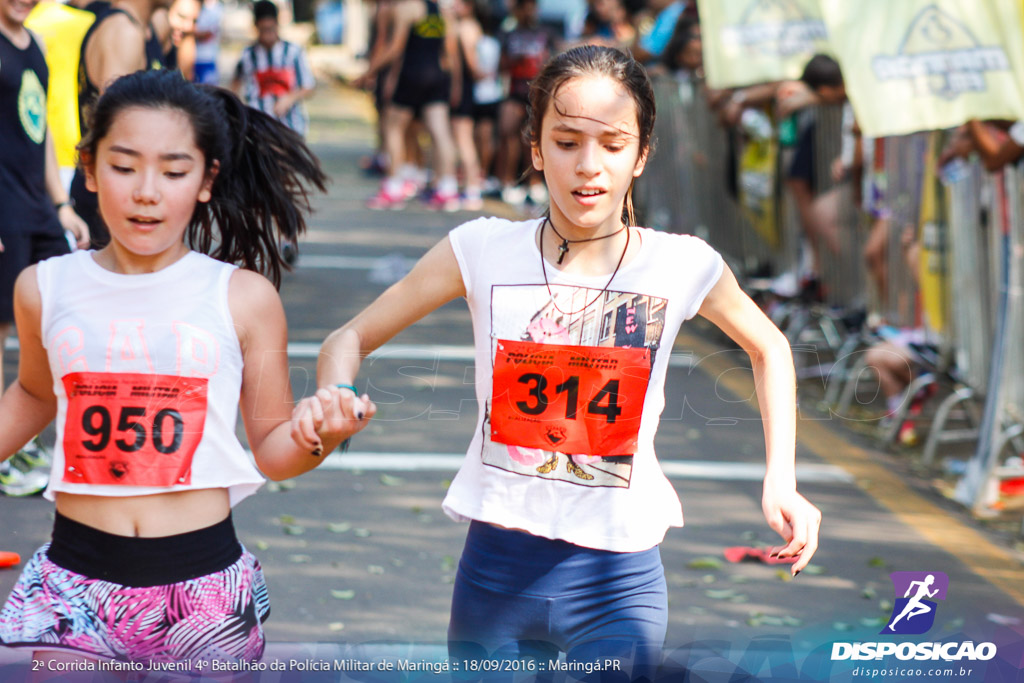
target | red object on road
[
  {"x": 741, "y": 553},
  {"x": 9, "y": 559}
]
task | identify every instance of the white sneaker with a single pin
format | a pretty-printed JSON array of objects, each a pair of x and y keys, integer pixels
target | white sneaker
[
  {"x": 538, "y": 194},
  {"x": 14, "y": 482},
  {"x": 514, "y": 195}
]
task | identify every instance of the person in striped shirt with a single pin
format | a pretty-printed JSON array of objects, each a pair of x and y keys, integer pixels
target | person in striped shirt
[{"x": 273, "y": 75}]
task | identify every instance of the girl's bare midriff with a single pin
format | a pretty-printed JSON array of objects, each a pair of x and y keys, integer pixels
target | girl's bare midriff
[{"x": 162, "y": 514}]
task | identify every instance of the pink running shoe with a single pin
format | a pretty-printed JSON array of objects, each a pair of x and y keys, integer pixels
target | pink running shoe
[
  {"x": 410, "y": 188},
  {"x": 444, "y": 202},
  {"x": 385, "y": 200}
]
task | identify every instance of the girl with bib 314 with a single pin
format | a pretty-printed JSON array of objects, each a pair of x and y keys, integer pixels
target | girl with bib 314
[
  {"x": 145, "y": 351},
  {"x": 574, "y": 317}
]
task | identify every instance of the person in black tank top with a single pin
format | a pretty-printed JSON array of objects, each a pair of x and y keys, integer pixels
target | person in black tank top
[
  {"x": 34, "y": 209},
  {"x": 424, "y": 44},
  {"x": 421, "y": 80},
  {"x": 117, "y": 24}
]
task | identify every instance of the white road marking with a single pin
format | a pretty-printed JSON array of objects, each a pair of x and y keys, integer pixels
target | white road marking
[{"x": 706, "y": 470}]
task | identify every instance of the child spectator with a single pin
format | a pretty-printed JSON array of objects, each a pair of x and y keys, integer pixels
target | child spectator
[{"x": 273, "y": 75}]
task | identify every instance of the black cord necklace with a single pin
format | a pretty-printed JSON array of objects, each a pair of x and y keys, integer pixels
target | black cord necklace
[
  {"x": 544, "y": 268},
  {"x": 563, "y": 248}
]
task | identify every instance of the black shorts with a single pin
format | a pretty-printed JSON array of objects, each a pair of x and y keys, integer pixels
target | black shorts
[
  {"x": 520, "y": 96},
  {"x": 802, "y": 166},
  {"x": 417, "y": 89},
  {"x": 488, "y": 110},
  {"x": 465, "y": 107},
  {"x": 21, "y": 250}
]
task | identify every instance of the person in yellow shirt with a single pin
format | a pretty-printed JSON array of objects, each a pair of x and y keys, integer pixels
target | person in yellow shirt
[{"x": 62, "y": 29}]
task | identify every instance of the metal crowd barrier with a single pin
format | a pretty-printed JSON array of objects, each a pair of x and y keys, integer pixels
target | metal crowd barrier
[
  {"x": 685, "y": 188},
  {"x": 970, "y": 334},
  {"x": 975, "y": 239},
  {"x": 1002, "y": 423}
]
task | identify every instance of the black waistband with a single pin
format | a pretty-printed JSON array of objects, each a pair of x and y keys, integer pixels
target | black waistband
[{"x": 141, "y": 562}]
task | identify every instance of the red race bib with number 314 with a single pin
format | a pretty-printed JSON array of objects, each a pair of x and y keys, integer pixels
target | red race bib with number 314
[
  {"x": 570, "y": 399},
  {"x": 132, "y": 429}
]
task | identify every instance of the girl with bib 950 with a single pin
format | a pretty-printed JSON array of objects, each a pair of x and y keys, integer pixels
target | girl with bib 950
[
  {"x": 574, "y": 317},
  {"x": 145, "y": 351}
]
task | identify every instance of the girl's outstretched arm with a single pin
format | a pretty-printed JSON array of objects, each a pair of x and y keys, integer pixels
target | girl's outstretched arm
[
  {"x": 787, "y": 512},
  {"x": 434, "y": 281},
  {"x": 28, "y": 405},
  {"x": 266, "y": 397}
]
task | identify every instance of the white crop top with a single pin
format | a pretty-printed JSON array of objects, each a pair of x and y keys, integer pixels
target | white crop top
[
  {"x": 147, "y": 371},
  {"x": 619, "y": 501}
]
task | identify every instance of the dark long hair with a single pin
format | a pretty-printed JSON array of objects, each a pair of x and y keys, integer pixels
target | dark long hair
[
  {"x": 261, "y": 192},
  {"x": 596, "y": 60}
]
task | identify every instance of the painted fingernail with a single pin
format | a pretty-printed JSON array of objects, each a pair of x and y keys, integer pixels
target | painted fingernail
[
  {"x": 797, "y": 573},
  {"x": 318, "y": 451},
  {"x": 359, "y": 416}
]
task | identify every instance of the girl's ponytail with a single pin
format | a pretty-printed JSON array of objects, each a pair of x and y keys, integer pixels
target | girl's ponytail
[{"x": 261, "y": 193}]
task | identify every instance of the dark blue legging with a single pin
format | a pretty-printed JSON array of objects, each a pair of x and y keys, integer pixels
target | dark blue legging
[{"x": 523, "y": 597}]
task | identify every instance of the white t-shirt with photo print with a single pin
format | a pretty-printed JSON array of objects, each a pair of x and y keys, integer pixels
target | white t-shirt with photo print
[{"x": 622, "y": 503}]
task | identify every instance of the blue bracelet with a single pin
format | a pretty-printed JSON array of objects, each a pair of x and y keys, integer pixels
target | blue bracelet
[{"x": 343, "y": 448}]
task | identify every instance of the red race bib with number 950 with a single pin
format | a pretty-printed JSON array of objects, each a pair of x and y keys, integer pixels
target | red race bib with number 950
[
  {"x": 132, "y": 429},
  {"x": 570, "y": 399}
]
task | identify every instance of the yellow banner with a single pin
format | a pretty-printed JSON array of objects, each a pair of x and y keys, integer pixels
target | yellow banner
[
  {"x": 757, "y": 186},
  {"x": 758, "y": 41},
  {"x": 932, "y": 238},
  {"x": 914, "y": 65}
]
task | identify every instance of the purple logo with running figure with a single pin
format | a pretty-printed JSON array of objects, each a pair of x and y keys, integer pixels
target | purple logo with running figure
[{"x": 916, "y": 593}]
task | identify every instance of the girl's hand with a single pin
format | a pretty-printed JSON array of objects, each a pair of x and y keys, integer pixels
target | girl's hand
[
  {"x": 322, "y": 421},
  {"x": 795, "y": 519}
]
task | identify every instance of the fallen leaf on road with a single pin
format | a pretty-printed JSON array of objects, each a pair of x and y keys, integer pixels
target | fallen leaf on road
[
  {"x": 704, "y": 563},
  {"x": 343, "y": 594}
]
